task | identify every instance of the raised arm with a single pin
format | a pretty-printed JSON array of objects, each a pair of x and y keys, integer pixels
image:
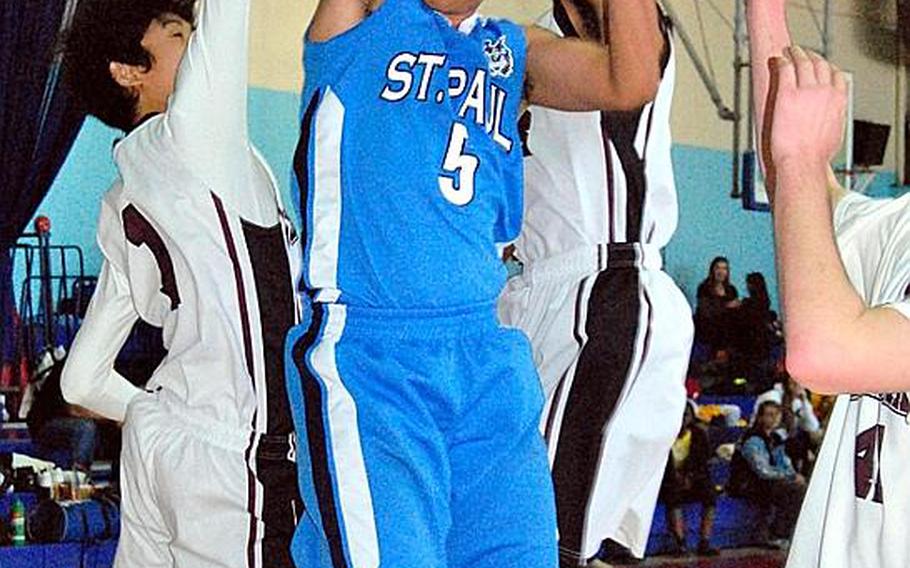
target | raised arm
[
  {"x": 207, "y": 113},
  {"x": 334, "y": 17},
  {"x": 620, "y": 70},
  {"x": 835, "y": 343},
  {"x": 768, "y": 38}
]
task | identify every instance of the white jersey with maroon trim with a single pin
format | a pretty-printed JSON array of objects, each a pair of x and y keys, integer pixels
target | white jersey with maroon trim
[
  {"x": 196, "y": 242},
  {"x": 611, "y": 332},
  {"x": 184, "y": 234},
  {"x": 857, "y": 509},
  {"x": 575, "y": 197}
]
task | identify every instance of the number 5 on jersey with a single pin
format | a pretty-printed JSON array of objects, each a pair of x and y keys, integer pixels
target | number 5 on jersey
[{"x": 458, "y": 166}]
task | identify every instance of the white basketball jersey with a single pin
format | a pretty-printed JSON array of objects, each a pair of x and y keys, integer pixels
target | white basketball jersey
[
  {"x": 857, "y": 510},
  {"x": 212, "y": 279},
  {"x": 196, "y": 242},
  {"x": 593, "y": 177}
]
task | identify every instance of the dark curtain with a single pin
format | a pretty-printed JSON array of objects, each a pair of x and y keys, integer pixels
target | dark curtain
[{"x": 38, "y": 125}]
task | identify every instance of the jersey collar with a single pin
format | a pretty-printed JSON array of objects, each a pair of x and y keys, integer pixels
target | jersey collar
[{"x": 466, "y": 26}]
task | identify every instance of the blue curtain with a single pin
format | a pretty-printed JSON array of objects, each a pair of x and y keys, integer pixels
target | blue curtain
[{"x": 38, "y": 125}]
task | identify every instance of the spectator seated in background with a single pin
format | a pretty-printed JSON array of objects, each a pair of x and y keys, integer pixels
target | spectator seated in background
[
  {"x": 758, "y": 333},
  {"x": 715, "y": 311},
  {"x": 55, "y": 425},
  {"x": 762, "y": 472},
  {"x": 800, "y": 427},
  {"x": 687, "y": 480}
]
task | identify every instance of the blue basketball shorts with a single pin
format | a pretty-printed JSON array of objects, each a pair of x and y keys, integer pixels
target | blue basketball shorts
[{"x": 418, "y": 441}]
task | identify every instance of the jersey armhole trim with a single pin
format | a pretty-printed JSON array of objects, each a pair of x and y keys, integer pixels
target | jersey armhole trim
[{"x": 901, "y": 307}]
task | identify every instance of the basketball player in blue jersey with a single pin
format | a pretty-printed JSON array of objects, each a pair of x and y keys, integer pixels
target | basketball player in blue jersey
[
  {"x": 417, "y": 412},
  {"x": 195, "y": 241}
]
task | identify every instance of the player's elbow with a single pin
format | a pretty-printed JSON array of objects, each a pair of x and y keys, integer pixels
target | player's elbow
[
  {"x": 647, "y": 87},
  {"x": 75, "y": 391},
  {"x": 811, "y": 362},
  {"x": 628, "y": 95}
]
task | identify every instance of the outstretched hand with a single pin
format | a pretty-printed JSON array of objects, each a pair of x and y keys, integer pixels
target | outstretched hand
[{"x": 808, "y": 103}]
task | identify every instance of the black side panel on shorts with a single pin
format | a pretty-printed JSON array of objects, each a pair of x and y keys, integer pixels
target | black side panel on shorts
[
  {"x": 603, "y": 367},
  {"x": 282, "y": 505}
]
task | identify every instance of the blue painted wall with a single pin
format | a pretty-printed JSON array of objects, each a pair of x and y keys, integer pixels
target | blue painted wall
[
  {"x": 73, "y": 202},
  {"x": 711, "y": 223}
]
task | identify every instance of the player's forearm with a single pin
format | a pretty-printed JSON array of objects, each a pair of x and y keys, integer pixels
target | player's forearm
[
  {"x": 89, "y": 379},
  {"x": 334, "y": 17},
  {"x": 573, "y": 74},
  {"x": 106, "y": 397},
  {"x": 636, "y": 44},
  {"x": 820, "y": 305}
]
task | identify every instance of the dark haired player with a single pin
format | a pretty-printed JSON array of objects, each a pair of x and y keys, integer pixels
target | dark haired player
[
  {"x": 194, "y": 241},
  {"x": 420, "y": 412}
]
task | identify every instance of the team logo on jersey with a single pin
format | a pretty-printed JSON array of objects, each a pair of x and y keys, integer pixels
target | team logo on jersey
[{"x": 499, "y": 55}]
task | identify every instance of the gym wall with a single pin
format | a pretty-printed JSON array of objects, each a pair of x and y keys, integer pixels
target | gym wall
[{"x": 710, "y": 222}]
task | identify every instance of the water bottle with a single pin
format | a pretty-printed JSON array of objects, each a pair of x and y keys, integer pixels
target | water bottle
[{"x": 18, "y": 522}]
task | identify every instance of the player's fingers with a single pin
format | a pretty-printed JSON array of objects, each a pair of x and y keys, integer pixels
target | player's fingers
[
  {"x": 783, "y": 73},
  {"x": 804, "y": 69},
  {"x": 823, "y": 72}
]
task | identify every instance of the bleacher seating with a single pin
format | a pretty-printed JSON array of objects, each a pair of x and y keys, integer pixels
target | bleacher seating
[
  {"x": 745, "y": 403},
  {"x": 737, "y": 523}
]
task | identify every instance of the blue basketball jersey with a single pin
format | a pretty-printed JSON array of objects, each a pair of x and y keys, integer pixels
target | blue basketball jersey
[{"x": 409, "y": 168}]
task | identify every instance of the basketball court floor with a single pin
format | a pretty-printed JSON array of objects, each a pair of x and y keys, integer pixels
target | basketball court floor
[{"x": 740, "y": 558}]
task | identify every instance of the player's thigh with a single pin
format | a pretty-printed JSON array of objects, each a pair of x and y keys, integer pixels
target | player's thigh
[
  {"x": 374, "y": 464},
  {"x": 503, "y": 509},
  {"x": 205, "y": 493},
  {"x": 144, "y": 535}
]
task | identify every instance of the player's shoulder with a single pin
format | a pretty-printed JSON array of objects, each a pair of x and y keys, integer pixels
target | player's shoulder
[
  {"x": 115, "y": 196},
  {"x": 855, "y": 210},
  {"x": 342, "y": 21}
]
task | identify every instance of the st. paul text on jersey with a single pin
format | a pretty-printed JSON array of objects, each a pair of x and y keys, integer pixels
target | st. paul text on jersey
[{"x": 411, "y": 75}]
